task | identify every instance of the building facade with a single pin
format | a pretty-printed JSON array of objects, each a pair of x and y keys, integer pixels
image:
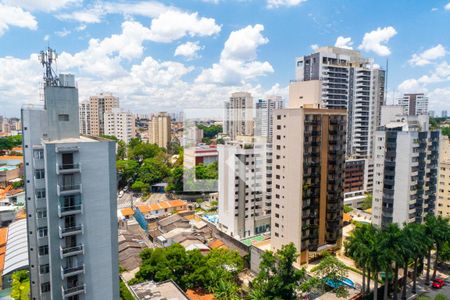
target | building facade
[
  {"x": 443, "y": 194},
  {"x": 405, "y": 171},
  {"x": 85, "y": 118},
  {"x": 264, "y": 112},
  {"x": 414, "y": 104},
  {"x": 70, "y": 201},
  {"x": 99, "y": 105},
  {"x": 244, "y": 188},
  {"x": 160, "y": 130},
  {"x": 239, "y": 115},
  {"x": 347, "y": 81},
  {"x": 120, "y": 124},
  {"x": 307, "y": 179}
]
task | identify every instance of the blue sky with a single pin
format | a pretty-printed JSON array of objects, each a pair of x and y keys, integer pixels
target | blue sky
[{"x": 171, "y": 55}]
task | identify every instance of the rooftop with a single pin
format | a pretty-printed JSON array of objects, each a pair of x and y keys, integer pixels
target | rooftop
[
  {"x": 16, "y": 247},
  {"x": 161, "y": 205},
  {"x": 151, "y": 290}
]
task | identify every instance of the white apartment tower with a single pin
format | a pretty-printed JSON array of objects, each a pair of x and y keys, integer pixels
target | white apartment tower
[
  {"x": 71, "y": 199},
  {"x": 85, "y": 118},
  {"x": 348, "y": 81},
  {"x": 120, "y": 124},
  {"x": 239, "y": 115},
  {"x": 414, "y": 104},
  {"x": 244, "y": 188},
  {"x": 160, "y": 130},
  {"x": 264, "y": 112},
  {"x": 405, "y": 171}
]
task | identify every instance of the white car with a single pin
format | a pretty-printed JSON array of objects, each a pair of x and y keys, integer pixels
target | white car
[{"x": 120, "y": 194}]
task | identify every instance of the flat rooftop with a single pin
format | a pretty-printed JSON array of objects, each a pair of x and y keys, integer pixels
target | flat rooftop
[{"x": 151, "y": 290}]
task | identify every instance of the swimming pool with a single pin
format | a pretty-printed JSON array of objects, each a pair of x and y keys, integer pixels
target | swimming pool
[
  {"x": 7, "y": 168},
  {"x": 211, "y": 218},
  {"x": 337, "y": 283}
]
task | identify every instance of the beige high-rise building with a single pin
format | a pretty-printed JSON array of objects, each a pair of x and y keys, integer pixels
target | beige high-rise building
[
  {"x": 307, "y": 179},
  {"x": 120, "y": 124},
  {"x": 160, "y": 129},
  {"x": 443, "y": 194},
  {"x": 85, "y": 118},
  {"x": 99, "y": 105}
]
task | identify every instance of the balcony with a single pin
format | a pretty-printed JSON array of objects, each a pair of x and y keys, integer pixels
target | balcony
[
  {"x": 64, "y": 190},
  {"x": 71, "y": 251},
  {"x": 73, "y": 230},
  {"x": 66, "y": 272},
  {"x": 69, "y": 210},
  {"x": 68, "y": 168},
  {"x": 68, "y": 292},
  {"x": 67, "y": 149}
]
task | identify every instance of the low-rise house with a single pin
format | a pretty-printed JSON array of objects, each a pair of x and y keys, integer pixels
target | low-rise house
[
  {"x": 164, "y": 290},
  {"x": 162, "y": 208},
  {"x": 130, "y": 246},
  {"x": 16, "y": 256}
]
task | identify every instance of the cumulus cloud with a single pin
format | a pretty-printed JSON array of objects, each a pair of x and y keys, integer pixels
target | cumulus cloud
[
  {"x": 16, "y": 17},
  {"x": 376, "y": 40},
  {"x": 173, "y": 25},
  {"x": 428, "y": 56},
  {"x": 344, "y": 42},
  {"x": 314, "y": 47},
  {"x": 280, "y": 3},
  {"x": 43, "y": 5},
  {"x": 238, "y": 62},
  {"x": 447, "y": 6},
  {"x": 189, "y": 50}
]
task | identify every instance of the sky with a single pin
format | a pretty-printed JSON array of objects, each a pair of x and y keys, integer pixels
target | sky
[{"x": 172, "y": 55}]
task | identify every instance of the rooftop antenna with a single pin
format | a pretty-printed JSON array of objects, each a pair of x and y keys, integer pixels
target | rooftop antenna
[{"x": 47, "y": 58}]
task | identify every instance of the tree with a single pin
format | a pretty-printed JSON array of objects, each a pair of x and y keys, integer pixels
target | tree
[
  {"x": 121, "y": 150},
  {"x": 109, "y": 137},
  {"x": 175, "y": 180},
  {"x": 153, "y": 171},
  {"x": 139, "y": 186},
  {"x": 348, "y": 208},
  {"x": 277, "y": 278},
  {"x": 357, "y": 247},
  {"x": 9, "y": 142},
  {"x": 210, "y": 131},
  {"x": 209, "y": 171},
  {"x": 140, "y": 151},
  {"x": 20, "y": 287},
  {"x": 127, "y": 170},
  {"x": 367, "y": 203},
  {"x": 389, "y": 242},
  {"x": 125, "y": 294}
]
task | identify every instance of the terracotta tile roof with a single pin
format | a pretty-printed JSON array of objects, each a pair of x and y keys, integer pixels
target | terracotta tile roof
[
  {"x": 21, "y": 214},
  {"x": 347, "y": 217},
  {"x": 3, "y": 239},
  {"x": 216, "y": 244},
  {"x": 198, "y": 295},
  {"x": 11, "y": 157},
  {"x": 146, "y": 208},
  {"x": 126, "y": 212}
]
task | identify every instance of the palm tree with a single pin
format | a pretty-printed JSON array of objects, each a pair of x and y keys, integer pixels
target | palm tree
[
  {"x": 389, "y": 242},
  {"x": 405, "y": 254},
  {"x": 356, "y": 247},
  {"x": 441, "y": 234},
  {"x": 419, "y": 246},
  {"x": 375, "y": 256},
  {"x": 429, "y": 225}
]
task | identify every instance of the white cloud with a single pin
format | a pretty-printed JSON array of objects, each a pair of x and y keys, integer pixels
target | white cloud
[
  {"x": 314, "y": 47},
  {"x": 344, "y": 42},
  {"x": 189, "y": 50},
  {"x": 91, "y": 15},
  {"x": 16, "y": 17},
  {"x": 62, "y": 33},
  {"x": 447, "y": 6},
  {"x": 43, "y": 5},
  {"x": 238, "y": 62},
  {"x": 410, "y": 86},
  {"x": 46, "y": 37},
  {"x": 173, "y": 25},
  {"x": 280, "y": 3},
  {"x": 376, "y": 40},
  {"x": 81, "y": 27},
  {"x": 211, "y": 1},
  {"x": 428, "y": 56}
]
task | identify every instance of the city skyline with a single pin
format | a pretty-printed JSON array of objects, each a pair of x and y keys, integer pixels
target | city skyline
[{"x": 136, "y": 51}]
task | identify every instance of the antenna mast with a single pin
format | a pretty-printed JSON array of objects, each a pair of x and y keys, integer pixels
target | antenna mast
[{"x": 47, "y": 58}]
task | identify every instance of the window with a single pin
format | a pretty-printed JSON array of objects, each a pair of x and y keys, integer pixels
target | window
[
  {"x": 43, "y": 250},
  {"x": 39, "y": 174},
  {"x": 44, "y": 269},
  {"x": 40, "y": 194},
  {"x": 43, "y": 232},
  {"x": 63, "y": 117},
  {"x": 45, "y": 287},
  {"x": 39, "y": 154},
  {"x": 42, "y": 213}
]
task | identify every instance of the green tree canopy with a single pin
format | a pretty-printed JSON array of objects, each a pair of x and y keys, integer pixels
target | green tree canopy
[
  {"x": 9, "y": 142},
  {"x": 153, "y": 171},
  {"x": 20, "y": 288}
]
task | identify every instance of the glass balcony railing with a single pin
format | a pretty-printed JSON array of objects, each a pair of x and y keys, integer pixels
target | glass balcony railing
[
  {"x": 68, "y": 166},
  {"x": 67, "y": 292},
  {"x": 68, "y": 251}
]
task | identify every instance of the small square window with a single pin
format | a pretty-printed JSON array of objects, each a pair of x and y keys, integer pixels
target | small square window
[{"x": 63, "y": 117}]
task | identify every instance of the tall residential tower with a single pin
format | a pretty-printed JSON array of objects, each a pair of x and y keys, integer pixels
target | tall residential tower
[{"x": 71, "y": 199}]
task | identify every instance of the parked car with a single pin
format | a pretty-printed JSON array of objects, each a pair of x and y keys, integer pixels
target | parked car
[
  {"x": 120, "y": 194},
  {"x": 437, "y": 283}
]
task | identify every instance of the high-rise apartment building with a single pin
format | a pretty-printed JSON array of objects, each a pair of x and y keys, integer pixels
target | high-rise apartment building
[
  {"x": 239, "y": 115},
  {"x": 405, "y": 171},
  {"x": 160, "y": 130},
  {"x": 344, "y": 80},
  {"x": 414, "y": 104},
  {"x": 444, "y": 114},
  {"x": 443, "y": 194},
  {"x": 71, "y": 200},
  {"x": 307, "y": 178},
  {"x": 85, "y": 118},
  {"x": 99, "y": 105},
  {"x": 244, "y": 187},
  {"x": 264, "y": 112},
  {"x": 120, "y": 124}
]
